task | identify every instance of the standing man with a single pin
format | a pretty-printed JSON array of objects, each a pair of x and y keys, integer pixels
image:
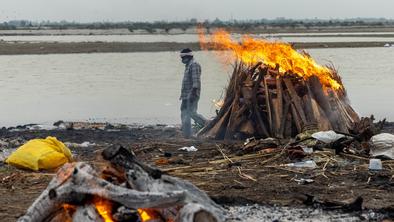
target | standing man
[{"x": 190, "y": 94}]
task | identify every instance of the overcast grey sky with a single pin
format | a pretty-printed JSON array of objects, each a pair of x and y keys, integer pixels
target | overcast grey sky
[{"x": 153, "y": 10}]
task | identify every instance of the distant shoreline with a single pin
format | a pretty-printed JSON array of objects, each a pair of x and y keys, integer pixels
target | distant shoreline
[
  {"x": 22, "y": 48},
  {"x": 346, "y": 30}
]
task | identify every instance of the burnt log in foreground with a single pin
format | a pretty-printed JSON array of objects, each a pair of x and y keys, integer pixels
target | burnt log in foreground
[
  {"x": 261, "y": 102},
  {"x": 78, "y": 185}
]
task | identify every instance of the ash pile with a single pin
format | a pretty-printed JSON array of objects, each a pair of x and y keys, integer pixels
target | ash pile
[{"x": 125, "y": 189}]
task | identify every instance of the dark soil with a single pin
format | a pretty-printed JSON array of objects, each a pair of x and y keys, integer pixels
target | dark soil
[{"x": 250, "y": 178}]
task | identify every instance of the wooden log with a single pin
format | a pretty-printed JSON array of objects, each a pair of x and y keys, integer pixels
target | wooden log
[
  {"x": 342, "y": 96},
  {"x": 284, "y": 118},
  {"x": 150, "y": 191},
  {"x": 319, "y": 95},
  {"x": 310, "y": 115},
  {"x": 247, "y": 128},
  {"x": 347, "y": 111},
  {"x": 276, "y": 113},
  {"x": 268, "y": 106},
  {"x": 323, "y": 100},
  {"x": 260, "y": 122},
  {"x": 218, "y": 129},
  {"x": 351, "y": 115},
  {"x": 81, "y": 179},
  {"x": 297, "y": 120},
  {"x": 236, "y": 119},
  {"x": 254, "y": 106},
  {"x": 280, "y": 113},
  {"x": 140, "y": 180},
  {"x": 288, "y": 132},
  {"x": 297, "y": 109},
  {"x": 354, "y": 116},
  {"x": 323, "y": 123},
  {"x": 195, "y": 213},
  {"x": 340, "y": 119},
  {"x": 219, "y": 118},
  {"x": 247, "y": 93},
  {"x": 87, "y": 213},
  {"x": 345, "y": 115},
  {"x": 236, "y": 111}
]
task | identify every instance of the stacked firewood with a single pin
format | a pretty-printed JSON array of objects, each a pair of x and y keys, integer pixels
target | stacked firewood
[{"x": 261, "y": 102}]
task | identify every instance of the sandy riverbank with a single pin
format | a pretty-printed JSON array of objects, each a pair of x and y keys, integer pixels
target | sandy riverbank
[{"x": 20, "y": 48}]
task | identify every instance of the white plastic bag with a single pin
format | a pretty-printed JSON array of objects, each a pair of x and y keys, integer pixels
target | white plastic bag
[
  {"x": 189, "y": 149},
  {"x": 304, "y": 164},
  {"x": 382, "y": 145},
  {"x": 327, "y": 136}
]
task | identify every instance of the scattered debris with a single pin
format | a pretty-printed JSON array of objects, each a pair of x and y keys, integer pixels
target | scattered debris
[
  {"x": 304, "y": 164},
  {"x": 296, "y": 152},
  {"x": 327, "y": 136},
  {"x": 307, "y": 150},
  {"x": 79, "y": 145},
  {"x": 5, "y": 153},
  {"x": 8, "y": 143},
  {"x": 189, "y": 149},
  {"x": 375, "y": 164},
  {"x": 303, "y": 181},
  {"x": 258, "y": 177}
]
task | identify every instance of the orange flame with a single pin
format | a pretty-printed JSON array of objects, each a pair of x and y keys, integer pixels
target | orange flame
[
  {"x": 148, "y": 215},
  {"x": 250, "y": 51},
  {"x": 69, "y": 209},
  {"x": 104, "y": 208}
]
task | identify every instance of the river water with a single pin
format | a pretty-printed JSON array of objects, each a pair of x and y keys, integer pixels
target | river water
[
  {"x": 144, "y": 87},
  {"x": 193, "y": 38}
]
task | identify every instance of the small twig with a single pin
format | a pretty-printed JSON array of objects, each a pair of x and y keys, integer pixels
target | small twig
[
  {"x": 245, "y": 176},
  {"x": 239, "y": 182},
  {"x": 325, "y": 165},
  {"x": 324, "y": 175},
  {"x": 241, "y": 174},
  {"x": 346, "y": 134},
  {"x": 223, "y": 154},
  {"x": 300, "y": 141},
  {"x": 354, "y": 156},
  {"x": 271, "y": 159}
]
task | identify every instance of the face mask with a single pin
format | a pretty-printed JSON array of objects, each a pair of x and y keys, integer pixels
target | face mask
[{"x": 185, "y": 60}]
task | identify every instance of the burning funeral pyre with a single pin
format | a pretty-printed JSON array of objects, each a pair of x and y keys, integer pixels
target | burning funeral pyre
[
  {"x": 125, "y": 190},
  {"x": 276, "y": 91}
]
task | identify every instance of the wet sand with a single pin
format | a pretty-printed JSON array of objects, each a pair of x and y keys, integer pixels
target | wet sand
[{"x": 21, "y": 48}]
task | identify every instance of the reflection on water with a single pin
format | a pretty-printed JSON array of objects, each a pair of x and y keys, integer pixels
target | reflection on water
[{"x": 144, "y": 87}]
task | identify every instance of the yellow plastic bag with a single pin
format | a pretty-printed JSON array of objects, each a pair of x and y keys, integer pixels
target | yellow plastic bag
[{"x": 39, "y": 154}]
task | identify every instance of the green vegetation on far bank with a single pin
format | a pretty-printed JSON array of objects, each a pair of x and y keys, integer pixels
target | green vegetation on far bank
[{"x": 232, "y": 25}]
